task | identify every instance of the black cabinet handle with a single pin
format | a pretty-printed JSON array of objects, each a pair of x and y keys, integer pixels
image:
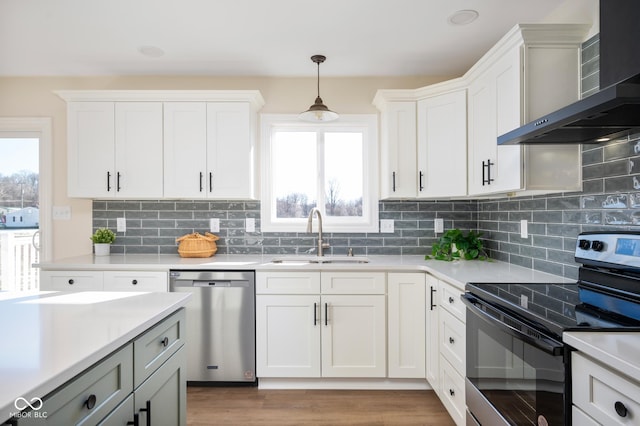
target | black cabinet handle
[
  {"x": 394, "y": 181},
  {"x": 71, "y": 281},
  {"x": 134, "y": 282},
  {"x": 210, "y": 181},
  {"x": 147, "y": 410},
  {"x": 486, "y": 177},
  {"x": 108, "y": 181},
  {"x": 135, "y": 422},
  {"x": 315, "y": 313},
  {"x": 201, "y": 181},
  {"x": 620, "y": 409},
  {"x": 433, "y": 290},
  {"x": 165, "y": 342},
  {"x": 118, "y": 182},
  {"x": 420, "y": 175},
  {"x": 91, "y": 401},
  {"x": 326, "y": 315},
  {"x": 452, "y": 340}
]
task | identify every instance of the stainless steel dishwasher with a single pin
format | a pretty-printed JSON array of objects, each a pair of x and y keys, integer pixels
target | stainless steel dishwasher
[{"x": 221, "y": 336}]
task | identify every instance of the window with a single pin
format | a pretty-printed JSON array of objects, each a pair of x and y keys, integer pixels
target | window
[{"x": 331, "y": 166}]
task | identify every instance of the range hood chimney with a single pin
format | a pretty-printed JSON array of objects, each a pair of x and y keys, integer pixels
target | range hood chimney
[{"x": 614, "y": 111}]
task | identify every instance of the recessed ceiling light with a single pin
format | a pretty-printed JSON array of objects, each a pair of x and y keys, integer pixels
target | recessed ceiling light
[
  {"x": 151, "y": 51},
  {"x": 463, "y": 17},
  {"x": 603, "y": 139}
]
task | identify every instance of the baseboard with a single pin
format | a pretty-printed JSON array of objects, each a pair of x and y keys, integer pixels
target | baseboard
[{"x": 341, "y": 383}]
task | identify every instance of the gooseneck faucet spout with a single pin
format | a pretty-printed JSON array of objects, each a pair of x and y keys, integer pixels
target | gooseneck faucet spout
[{"x": 321, "y": 245}]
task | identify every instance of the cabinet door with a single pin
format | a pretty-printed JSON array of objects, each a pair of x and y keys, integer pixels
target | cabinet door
[
  {"x": 432, "y": 337},
  {"x": 230, "y": 151},
  {"x": 138, "y": 149},
  {"x": 482, "y": 153},
  {"x": 353, "y": 336},
  {"x": 91, "y": 152},
  {"x": 162, "y": 398},
  {"x": 185, "y": 147},
  {"x": 122, "y": 415},
  {"x": 406, "y": 325},
  {"x": 71, "y": 280},
  {"x": 288, "y": 336},
  {"x": 398, "y": 150},
  {"x": 135, "y": 281},
  {"x": 442, "y": 145}
]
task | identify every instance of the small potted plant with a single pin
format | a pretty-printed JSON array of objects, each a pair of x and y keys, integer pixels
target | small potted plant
[
  {"x": 454, "y": 244},
  {"x": 102, "y": 239}
]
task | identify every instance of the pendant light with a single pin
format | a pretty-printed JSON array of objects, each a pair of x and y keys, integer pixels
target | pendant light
[{"x": 318, "y": 112}]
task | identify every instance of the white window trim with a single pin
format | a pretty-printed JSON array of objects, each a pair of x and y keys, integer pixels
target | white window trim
[{"x": 369, "y": 221}]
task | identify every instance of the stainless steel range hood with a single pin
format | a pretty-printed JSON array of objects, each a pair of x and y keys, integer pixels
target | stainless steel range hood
[{"x": 612, "y": 112}]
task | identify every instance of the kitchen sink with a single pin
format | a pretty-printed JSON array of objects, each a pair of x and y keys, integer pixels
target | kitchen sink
[{"x": 321, "y": 259}]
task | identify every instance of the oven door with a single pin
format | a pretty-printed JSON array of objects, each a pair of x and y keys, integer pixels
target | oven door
[{"x": 515, "y": 374}]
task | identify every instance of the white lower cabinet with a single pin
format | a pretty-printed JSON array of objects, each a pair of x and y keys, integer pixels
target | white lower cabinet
[
  {"x": 143, "y": 382},
  {"x": 322, "y": 334},
  {"x": 446, "y": 345},
  {"x": 76, "y": 280},
  {"x": 601, "y": 395},
  {"x": 406, "y": 325}
]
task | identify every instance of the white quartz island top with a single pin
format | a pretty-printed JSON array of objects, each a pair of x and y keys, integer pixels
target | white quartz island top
[
  {"x": 616, "y": 349},
  {"x": 457, "y": 272},
  {"x": 50, "y": 337}
]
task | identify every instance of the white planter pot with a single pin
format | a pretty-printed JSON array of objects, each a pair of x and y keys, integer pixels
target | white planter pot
[{"x": 102, "y": 249}]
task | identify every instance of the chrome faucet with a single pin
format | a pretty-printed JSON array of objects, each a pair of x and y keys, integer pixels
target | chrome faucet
[{"x": 321, "y": 245}]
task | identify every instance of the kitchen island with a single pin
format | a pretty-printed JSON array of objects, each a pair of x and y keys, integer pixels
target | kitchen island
[{"x": 51, "y": 339}]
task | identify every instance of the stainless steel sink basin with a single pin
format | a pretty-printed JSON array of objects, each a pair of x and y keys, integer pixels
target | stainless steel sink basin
[{"x": 321, "y": 259}]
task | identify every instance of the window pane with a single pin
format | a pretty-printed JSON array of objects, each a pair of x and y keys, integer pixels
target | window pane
[
  {"x": 294, "y": 173},
  {"x": 343, "y": 174}
]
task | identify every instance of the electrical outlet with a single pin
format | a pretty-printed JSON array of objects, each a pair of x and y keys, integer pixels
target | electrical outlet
[
  {"x": 121, "y": 224},
  {"x": 250, "y": 225},
  {"x": 438, "y": 225},
  {"x": 214, "y": 224},
  {"x": 61, "y": 212},
  {"x": 387, "y": 226},
  {"x": 524, "y": 229}
]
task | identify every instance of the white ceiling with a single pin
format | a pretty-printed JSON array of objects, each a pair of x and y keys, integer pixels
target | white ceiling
[{"x": 253, "y": 37}]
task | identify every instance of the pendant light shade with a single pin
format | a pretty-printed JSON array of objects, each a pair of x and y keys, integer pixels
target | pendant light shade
[{"x": 318, "y": 112}]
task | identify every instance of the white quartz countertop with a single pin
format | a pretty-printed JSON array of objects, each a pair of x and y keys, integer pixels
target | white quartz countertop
[
  {"x": 50, "y": 337},
  {"x": 617, "y": 349},
  {"x": 457, "y": 272}
]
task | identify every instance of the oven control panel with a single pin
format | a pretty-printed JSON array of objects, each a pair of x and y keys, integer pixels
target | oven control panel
[{"x": 620, "y": 248}]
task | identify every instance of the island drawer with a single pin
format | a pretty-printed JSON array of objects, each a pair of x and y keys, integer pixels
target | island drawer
[
  {"x": 136, "y": 281},
  {"x": 90, "y": 397},
  {"x": 71, "y": 280},
  {"x": 155, "y": 346}
]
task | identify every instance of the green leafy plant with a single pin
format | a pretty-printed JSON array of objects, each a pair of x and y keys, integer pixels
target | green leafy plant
[
  {"x": 103, "y": 236},
  {"x": 454, "y": 244}
]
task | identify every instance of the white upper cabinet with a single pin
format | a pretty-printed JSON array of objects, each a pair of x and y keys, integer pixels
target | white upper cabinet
[
  {"x": 115, "y": 149},
  {"x": 442, "y": 145},
  {"x": 155, "y": 144}
]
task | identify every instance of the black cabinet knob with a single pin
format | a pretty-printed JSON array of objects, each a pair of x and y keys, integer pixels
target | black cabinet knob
[
  {"x": 91, "y": 401},
  {"x": 451, "y": 299},
  {"x": 452, "y": 392},
  {"x": 165, "y": 342},
  {"x": 134, "y": 282},
  {"x": 620, "y": 409},
  {"x": 70, "y": 281},
  {"x": 452, "y": 340}
]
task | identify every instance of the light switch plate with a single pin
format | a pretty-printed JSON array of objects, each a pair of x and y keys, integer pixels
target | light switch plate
[
  {"x": 438, "y": 225},
  {"x": 61, "y": 212},
  {"x": 121, "y": 224},
  {"x": 387, "y": 226},
  {"x": 214, "y": 224},
  {"x": 250, "y": 225}
]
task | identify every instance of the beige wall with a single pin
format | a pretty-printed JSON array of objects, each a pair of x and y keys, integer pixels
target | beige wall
[{"x": 34, "y": 97}]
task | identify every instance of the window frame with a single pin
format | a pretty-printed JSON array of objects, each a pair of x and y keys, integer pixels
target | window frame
[{"x": 365, "y": 123}]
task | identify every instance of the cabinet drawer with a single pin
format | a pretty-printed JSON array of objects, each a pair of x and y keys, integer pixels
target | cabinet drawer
[
  {"x": 288, "y": 283},
  {"x": 450, "y": 300},
  {"x": 135, "y": 281},
  {"x": 353, "y": 283},
  {"x": 71, "y": 280},
  {"x": 452, "y": 395},
  {"x": 452, "y": 340},
  {"x": 600, "y": 392},
  {"x": 88, "y": 398},
  {"x": 121, "y": 415},
  {"x": 579, "y": 418},
  {"x": 155, "y": 346}
]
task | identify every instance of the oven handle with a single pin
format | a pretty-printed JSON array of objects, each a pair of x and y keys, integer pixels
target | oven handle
[{"x": 547, "y": 345}]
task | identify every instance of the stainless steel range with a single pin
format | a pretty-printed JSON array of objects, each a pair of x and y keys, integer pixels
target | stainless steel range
[{"x": 518, "y": 370}]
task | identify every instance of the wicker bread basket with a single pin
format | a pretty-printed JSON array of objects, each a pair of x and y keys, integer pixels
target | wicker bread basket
[{"x": 197, "y": 245}]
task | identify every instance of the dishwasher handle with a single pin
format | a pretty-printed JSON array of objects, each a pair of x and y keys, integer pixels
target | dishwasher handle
[{"x": 220, "y": 283}]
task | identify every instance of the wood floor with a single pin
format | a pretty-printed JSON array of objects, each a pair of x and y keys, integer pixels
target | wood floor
[{"x": 251, "y": 406}]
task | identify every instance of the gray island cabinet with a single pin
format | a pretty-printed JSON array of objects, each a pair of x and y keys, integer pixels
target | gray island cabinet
[{"x": 138, "y": 376}]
